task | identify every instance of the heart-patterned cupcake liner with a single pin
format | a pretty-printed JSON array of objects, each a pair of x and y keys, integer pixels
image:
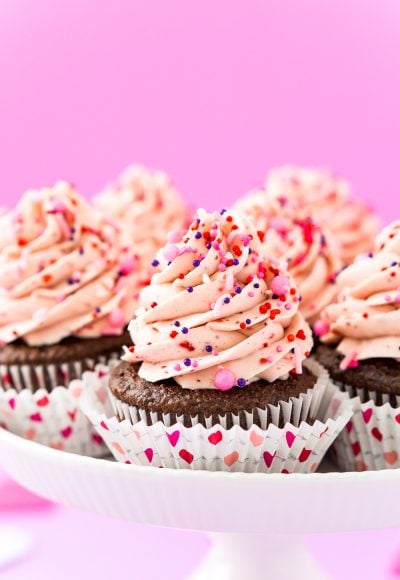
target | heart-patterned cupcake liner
[
  {"x": 51, "y": 416},
  {"x": 371, "y": 439},
  {"x": 293, "y": 448}
]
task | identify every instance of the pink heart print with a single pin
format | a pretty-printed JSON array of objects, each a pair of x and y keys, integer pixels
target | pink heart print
[
  {"x": 215, "y": 438},
  {"x": 290, "y": 437},
  {"x": 268, "y": 458},
  {"x": 231, "y": 458},
  {"x": 173, "y": 437},
  {"x": 367, "y": 414}
]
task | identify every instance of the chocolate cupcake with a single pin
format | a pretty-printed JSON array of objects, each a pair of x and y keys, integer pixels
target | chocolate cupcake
[
  {"x": 68, "y": 289},
  {"x": 219, "y": 345},
  {"x": 361, "y": 352}
]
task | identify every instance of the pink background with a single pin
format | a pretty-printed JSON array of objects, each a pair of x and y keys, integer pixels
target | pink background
[{"x": 215, "y": 93}]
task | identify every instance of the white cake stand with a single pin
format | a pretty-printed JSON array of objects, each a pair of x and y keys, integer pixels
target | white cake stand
[{"x": 257, "y": 521}]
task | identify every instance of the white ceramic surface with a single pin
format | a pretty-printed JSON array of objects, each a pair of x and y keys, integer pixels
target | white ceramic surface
[{"x": 228, "y": 503}]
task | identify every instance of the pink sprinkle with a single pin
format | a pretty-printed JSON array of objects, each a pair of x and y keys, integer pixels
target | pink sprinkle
[
  {"x": 348, "y": 359},
  {"x": 117, "y": 318},
  {"x": 246, "y": 240},
  {"x": 127, "y": 266},
  {"x": 251, "y": 294},
  {"x": 388, "y": 298},
  {"x": 195, "y": 364},
  {"x": 280, "y": 285},
  {"x": 224, "y": 379},
  {"x": 215, "y": 246},
  {"x": 270, "y": 359},
  {"x": 397, "y": 299},
  {"x": 279, "y": 303},
  {"x": 170, "y": 252},
  {"x": 279, "y": 348},
  {"x": 297, "y": 361},
  {"x": 321, "y": 327},
  {"x": 222, "y": 267},
  {"x": 174, "y": 236},
  {"x": 177, "y": 367},
  {"x": 288, "y": 306}
]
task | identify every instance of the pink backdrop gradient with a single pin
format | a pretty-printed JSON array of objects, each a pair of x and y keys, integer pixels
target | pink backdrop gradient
[{"x": 214, "y": 92}]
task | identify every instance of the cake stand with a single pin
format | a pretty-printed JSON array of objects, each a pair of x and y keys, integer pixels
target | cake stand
[{"x": 257, "y": 521}]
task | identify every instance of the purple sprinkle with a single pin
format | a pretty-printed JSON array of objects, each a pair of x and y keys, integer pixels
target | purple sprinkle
[
  {"x": 256, "y": 285},
  {"x": 177, "y": 323},
  {"x": 238, "y": 290},
  {"x": 209, "y": 348},
  {"x": 208, "y": 246},
  {"x": 187, "y": 362},
  {"x": 155, "y": 263},
  {"x": 196, "y": 263},
  {"x": 198, "y": 235},
  {"x": 185, "y": 330},
  {"x": 241, "y": 382},
  {"x": 235, "y": 262},
  {"x": 248, "y": 321},
  {"x": 227, "y": 300},
  {"x": 189, "y": 289}
]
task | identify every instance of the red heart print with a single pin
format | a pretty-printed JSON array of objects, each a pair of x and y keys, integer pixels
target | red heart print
[
  {"x": 67, "y": 432},
  {"x": 349, "y": 427},
  {"x": 36, "y": 417},
  {"x": 97, "y": 438},
  {"x": 397, "y": 418},
  {"x": 304, "y": 455},
  {"x": 367, "y": 414},
  {"x": 186, "y": 456},
  {"x": 173, "y": 437},
  {"x": 376, "y": 433},
  {"x": 118, "y": 447},
  {"x": 391, "y": 457},
  {"x": 11, "y": 402},
  {"x": 268, "y": 458},
  {"x": 285, "y": 471},
  {"x": 102, "y": 424},
  {"x": 72, "y": 414},
  {"x": 215, "y": 438},
  {"x": 290, "y": 437},
  {"x": 256, "y": 439},
  {"x": 231, "y": 458},
  {"x": 149, "y": 454},
  {"x": 43, "y": 402},
  {"x": 356, "y": 447}
]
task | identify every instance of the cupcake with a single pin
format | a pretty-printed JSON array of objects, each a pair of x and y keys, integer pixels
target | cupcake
[
  {"x": 216, "y": 377},
  {"x": 310, "y": 253},
  {"x": 361, "y": 336},
  {"x": 67, "y": 291},
  {"x": 147, "y": 206},
  {"x": 304, "y": 192}
]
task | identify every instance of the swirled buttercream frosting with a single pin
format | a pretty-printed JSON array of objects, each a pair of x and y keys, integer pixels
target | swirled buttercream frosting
[{"x": 220, "y": 313}]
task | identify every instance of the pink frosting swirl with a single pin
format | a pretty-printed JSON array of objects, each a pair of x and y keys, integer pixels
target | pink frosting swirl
[
  {"x": 63, "y": 271},
  {"x": 310, "y": 253},
  {"x": 366, "y": 321},
  {"x": 305, "y": 192},
  {"x": 147, "y": 205},
  {"x": 219, "y": 313}
]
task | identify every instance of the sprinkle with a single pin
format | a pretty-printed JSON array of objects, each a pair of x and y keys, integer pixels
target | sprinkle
[
  {"x": 170, "y": 252},
  {"x": 185, "y": 330},
  {"x": 238, "y": 289},
  {"x": 241, "y": 382},
  {"x": 227, "y": 299},
  {"x": 196, "y": 263},
  {"x": 248, "y": 321},
  {"x": 189, "y": 289},
  {"x": 264, "y": 308},
  {"x": 177, "y": 367},
  {"x": 187, "y": 345},
  {"x": 280, "y": 285},
  {"x": 198, "y": 235},
  {"x": 235, "y": 262},
  {"x": 224, "y": 379},
  {"x": 208, "y": 348},
  {"x": 187, "y": 362},
  {"x": 298, "y": 361},
  {"x": 153, "y": 304},
  {"x": 288, "y": 306},
  {"x": 301, "y": 334},
  {"x": 256, "y": 285},
  {"x": 279, "y": 348},
  {"x": 321, "y": 327},
  {"x": 155, "y": 263},
  {"x": 290, "y": 337},
  {"x": 173, "y": 334},
  {"x": 348, "y": 359},
  {"x": 177, "y": 323}
]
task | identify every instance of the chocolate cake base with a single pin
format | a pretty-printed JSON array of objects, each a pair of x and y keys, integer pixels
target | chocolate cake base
[
  {"x": 33, "y": 367},
  {"x": 69, "y": 349},
  {"x": 378, "y": 376},
  {"x": 169, "y": 398}
]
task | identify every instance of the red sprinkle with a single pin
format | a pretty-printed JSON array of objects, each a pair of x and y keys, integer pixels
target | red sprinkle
[
  {"x": 186, "y": 344},
  {"x": 301, "y": 334},
  {"x": 261, "y": 235},
  {"x": 290, "y": 337},
  {"x": 237, "y": 251},
  {"x": 153, "y": 304},
  {"x": 173, "y": 333}
]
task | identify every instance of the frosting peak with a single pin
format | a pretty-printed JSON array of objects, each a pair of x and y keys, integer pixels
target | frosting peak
[
  {"x": 311, "y": 255},
  {"x": 147, "y": 206},
  {"x": 62, "y": 270},
  {"x": 366, "y": 321},
  {"x": 219, "y": 313},
  {"x": 304, "y": 192}
]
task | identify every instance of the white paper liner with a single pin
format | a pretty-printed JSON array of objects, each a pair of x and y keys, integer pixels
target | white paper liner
[
  {"x": 51, "y": 417},
  {"x": 293, "y": 448},
  {"x": 371, "y": 439}
]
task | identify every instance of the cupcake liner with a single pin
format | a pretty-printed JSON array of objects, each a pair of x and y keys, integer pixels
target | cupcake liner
[
  {"x": 371, "y": 439},
  {"x": 296, "y": 447},
  {"x": 51, "y": 417}
]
